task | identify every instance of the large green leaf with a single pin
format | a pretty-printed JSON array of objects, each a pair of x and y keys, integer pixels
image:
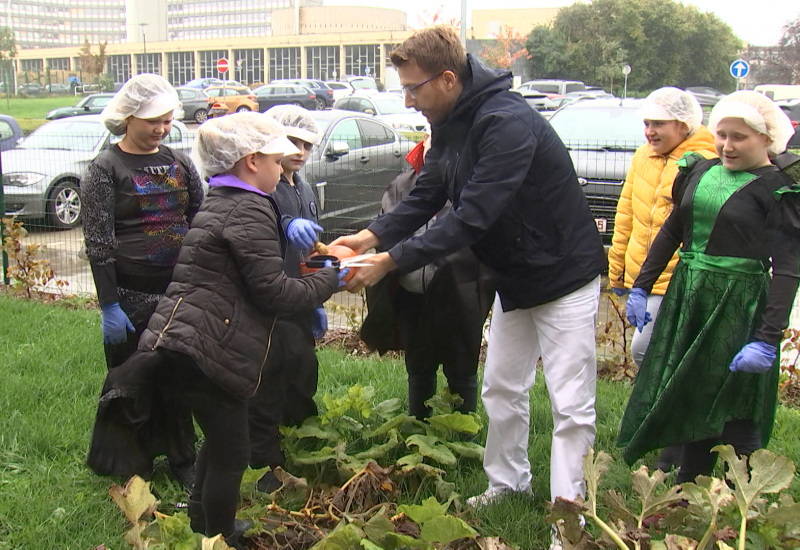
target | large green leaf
[
  {"x": 706, "y": 497},
  {"x": 432, "y": 448},
  {"x": 344, "y": 537},
  {"x": 457, "y": 422},
  {"x": 396, "y": 541},
  {"x": 466, "y": 449},
  {"x": 647, "y": 487},
  {"x": 388, "y": 408},
  {"x": 380, "y": 451},
  {"x": 768, "y": 473},
  {"x": 420, "y": 513},
  {"x": 444, "y": 529},
  {"x": 324, "y": 454},
  {"x": 785, "y": 512},
  {"x": 378, "y": 526}
]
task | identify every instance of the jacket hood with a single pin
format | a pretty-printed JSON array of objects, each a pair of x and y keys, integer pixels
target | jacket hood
[{"x": 481, "y": 83}]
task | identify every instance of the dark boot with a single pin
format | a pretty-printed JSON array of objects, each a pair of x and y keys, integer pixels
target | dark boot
[
  {"x": 269, "y": 483},
  {"x": 184, "y": 474},
  {"x": 197, "y": 518},
  {"x": 420, "y": 389},
  {"x": 236, "y": 539},
  {"x": 670, "y": 458},
  {"x": 467, "y": 389}
]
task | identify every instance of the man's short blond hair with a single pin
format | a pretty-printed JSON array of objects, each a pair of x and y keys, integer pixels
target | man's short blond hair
[{"x": 435, "y": 50}]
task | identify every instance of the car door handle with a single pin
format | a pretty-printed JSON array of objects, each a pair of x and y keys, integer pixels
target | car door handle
[
  {"x": 364, "y": 160},
  {"x": 397, "y": 154}
]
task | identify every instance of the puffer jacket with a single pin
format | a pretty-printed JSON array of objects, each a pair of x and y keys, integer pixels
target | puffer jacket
[
  {"x": 227, "y": 288},
  {"x": 644, "y": 204}
]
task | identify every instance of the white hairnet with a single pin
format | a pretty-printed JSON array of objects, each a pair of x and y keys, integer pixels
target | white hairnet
[
  {"x": 221, "y": 142},
  {"x": 143, "y": 96},
  {"x": 673, "y": 104},
  {"x": 759, "y": 112},
  {"x": 297, "y": 121}
]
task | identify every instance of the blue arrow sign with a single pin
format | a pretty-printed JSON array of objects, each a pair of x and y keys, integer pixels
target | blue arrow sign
[{"x": 740, "y": 68}]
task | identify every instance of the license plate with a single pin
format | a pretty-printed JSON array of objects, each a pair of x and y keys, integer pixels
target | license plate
[{"x": 601, "y": 223}]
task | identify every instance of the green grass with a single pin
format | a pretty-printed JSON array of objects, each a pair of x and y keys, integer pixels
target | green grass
[
  {"x": 51, "y": 371},
  {"x": 30, "y": 111}
]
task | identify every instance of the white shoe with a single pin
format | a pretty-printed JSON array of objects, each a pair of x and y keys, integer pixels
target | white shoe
[{"x": 490, "y": 496}]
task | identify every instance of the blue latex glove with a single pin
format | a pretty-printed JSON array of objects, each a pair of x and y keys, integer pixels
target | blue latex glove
[
  {"x": 756, "y": 357},
  {"x": 619, "y": 291},
  {"x": 637, "y": 308},
  {"x": 319, "y": 323},
  {"x": 116, "y": 324},
  {"x": 342, "y": 273},
  {"x": 302, "y": 233}
]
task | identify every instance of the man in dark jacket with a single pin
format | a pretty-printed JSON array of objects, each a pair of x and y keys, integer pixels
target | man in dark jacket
[{"x": 518, "y": 204}]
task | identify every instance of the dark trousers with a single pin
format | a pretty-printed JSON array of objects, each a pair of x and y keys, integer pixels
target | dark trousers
[
  {"x": 285, "y": 396},
  {"x": 743, "y": 435},
  {"x": 224, "y": 454},
  {"x": 455, "y": 348}
]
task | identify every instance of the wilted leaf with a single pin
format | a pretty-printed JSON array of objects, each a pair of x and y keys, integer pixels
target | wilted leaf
[
  {"x": 722, "y": 546},
  {"x": 432, "y": 448},
  {"x": 214, "y": 543},
  {"x": 706, "y": 496},
  {"x": 492, "y": 543},
  {"x": 564, "y": 509},
  {"x": 466, "y": 449},
  {"x": 444, "y": 529},
  {"x": 618, "y": 510},
  {"x": 134, "y": 499},
  {"x": 593, "y": 470},
  {"x": 645, "y": 486},
  {"x": 420, "y": 513},
  {"x": 456, "y": 421},
  {"x": 769, "y": 473},
  {"x": 677, "y": 542}
]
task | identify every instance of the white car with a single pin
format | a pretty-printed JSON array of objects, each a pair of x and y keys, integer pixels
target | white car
[
  {"x": 340, "y": 89},
  {"x": 389, "y": 108}
]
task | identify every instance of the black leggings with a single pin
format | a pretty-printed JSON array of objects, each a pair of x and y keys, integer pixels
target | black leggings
[
  {"x": 224, "y": 454},
  {"x": 698, "y": 459}
]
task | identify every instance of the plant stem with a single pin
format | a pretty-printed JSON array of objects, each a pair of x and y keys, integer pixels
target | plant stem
[
  {"x": 610, "y": 532},
  {"x": 742, "y": 530}
]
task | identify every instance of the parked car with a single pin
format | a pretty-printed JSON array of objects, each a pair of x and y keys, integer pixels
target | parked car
[
  {"x": 269, "y": 95},
  {"x": 195, "y": 104},
  {"x": 351, "y": 168},
  {"x": 389, "y": 108},
  {"x": 362, "y": 82},
  {"x": 601, "y": 136},
  {"x": 203, "y": 83},
  {"x": 553, "y": 87},
  {"x": 89, "y": 105},
  {"x": 42, "y": 175},
  {"x": 340, "y": 89},
  {"x": 59, "y": 88},
  {"x": 538, "y": 100},
  {"x": 323, "y": 92},
  {"x": 31, "y": 89},
  {"x": 10, "y": 132},
  {"x": 705, "y": 95},
  {"x": 234, "y": 98}
]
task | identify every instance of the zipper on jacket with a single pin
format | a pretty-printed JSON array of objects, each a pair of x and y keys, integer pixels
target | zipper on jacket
[
  {"x": 171, "y": 315},
  {"x": 264, "y": 362}
]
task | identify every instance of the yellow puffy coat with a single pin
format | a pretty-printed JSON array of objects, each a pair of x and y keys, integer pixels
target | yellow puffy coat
[{"x": 644, "y": 204}]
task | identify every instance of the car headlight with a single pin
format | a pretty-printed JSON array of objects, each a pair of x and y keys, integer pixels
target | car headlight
[
  {"x": 22, "y": 179},
  {"x": 402, "y": 126}
]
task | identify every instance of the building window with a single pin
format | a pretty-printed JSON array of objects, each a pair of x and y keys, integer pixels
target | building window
[
  {"x": 58, "y": 63},
  {"x": 118, "y": 67},
  {"x": 363, "y": 60},
  {"x": 322, "y": 62},
  {"x": 148, "y": 63},
  {"x": 208, "y": 63},
  {"x": 32, "y": 65},
  {"x": 284, "y": 63},
  {"x": 180, "y": 67},
  {"x": 251, "y": 68}
]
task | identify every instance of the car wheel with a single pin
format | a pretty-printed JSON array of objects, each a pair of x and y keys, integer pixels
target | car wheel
[
  {"x": 64, "y": 206},
  {"x": 242, "y": 109},
  {"x": 201, "y": 115},
  {"x": 298, "y": 103},
  {"x": 320, "y": 103}
]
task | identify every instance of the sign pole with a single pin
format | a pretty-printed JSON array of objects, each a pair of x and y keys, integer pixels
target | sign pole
[{"x": 626, "y": 70}]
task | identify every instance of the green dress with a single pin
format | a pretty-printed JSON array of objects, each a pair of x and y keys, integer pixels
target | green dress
[{"x": 729, "y": 224}]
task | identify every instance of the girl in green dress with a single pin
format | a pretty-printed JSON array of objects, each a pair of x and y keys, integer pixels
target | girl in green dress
[{"x": 710, "y": 374}]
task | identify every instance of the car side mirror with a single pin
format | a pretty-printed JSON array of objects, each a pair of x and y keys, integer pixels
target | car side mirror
[
  {"x": 338, "y": 149},
  {"x": 85, "y": 107},
  {"x": 369, "y": 112}
]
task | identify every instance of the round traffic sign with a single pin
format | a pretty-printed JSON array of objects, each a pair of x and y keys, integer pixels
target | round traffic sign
[
  {"x": 222, "y": 65},
  {"x": 740, "y": 68},
  {"x": 626, "y": 70}
]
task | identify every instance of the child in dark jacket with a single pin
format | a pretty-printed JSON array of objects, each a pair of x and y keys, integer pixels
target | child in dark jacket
[{"x": 214, "y": 327}]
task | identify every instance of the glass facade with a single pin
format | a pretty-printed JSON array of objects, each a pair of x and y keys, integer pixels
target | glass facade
[
  {"x": 180, "y": 67},
  {"x": 363, "y": 60},
  {"x": 118, "y": 67},
  {"x": 148, "y": 63},
  {"x": 58, "y": 63},
  {"x": 284, "y": 63},
  {"x": 208, "y": 63},
  {"x": 248, "y": 65},
  {"x": 322, "y": 62}
]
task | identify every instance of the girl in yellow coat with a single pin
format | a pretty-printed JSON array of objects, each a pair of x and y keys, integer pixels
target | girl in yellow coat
[{"x": 673, "y": 126}]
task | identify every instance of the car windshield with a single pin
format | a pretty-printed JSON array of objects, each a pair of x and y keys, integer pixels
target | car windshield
[
  {"x": 361, "y": 84},
  {"x": 391, "y": 106},
  {"x": 66, "y": 136},
  {"x": 601, "y": 127}
]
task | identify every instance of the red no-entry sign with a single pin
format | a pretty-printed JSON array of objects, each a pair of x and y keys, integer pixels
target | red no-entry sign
[{"x": 222, "y": 65}]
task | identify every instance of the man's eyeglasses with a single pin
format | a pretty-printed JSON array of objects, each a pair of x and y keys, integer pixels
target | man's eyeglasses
[{"x": 412, "y": 90}]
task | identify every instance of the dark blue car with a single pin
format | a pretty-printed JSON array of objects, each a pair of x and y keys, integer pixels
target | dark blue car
[{"x": 10, "y": 132}]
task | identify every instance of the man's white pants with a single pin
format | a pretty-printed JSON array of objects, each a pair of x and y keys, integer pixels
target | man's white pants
[{"x": 562, "y": 333}]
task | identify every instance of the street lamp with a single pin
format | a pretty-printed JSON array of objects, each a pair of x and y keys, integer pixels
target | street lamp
[{"x": 144, "y": 39}]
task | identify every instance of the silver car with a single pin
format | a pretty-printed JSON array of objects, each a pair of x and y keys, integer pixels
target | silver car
[
  {"x": 601, "y": 135},
  {"x": 42, "y": 175},
  {"x": 351, "y": 168}
]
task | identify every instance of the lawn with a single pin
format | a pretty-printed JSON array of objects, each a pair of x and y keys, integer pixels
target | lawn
[
  {"x": 51, "y": 368},
  {"x": 30, "y": 111}
]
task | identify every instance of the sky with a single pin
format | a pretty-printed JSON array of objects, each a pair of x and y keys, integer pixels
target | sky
[{"x": 759, "y": 22}]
